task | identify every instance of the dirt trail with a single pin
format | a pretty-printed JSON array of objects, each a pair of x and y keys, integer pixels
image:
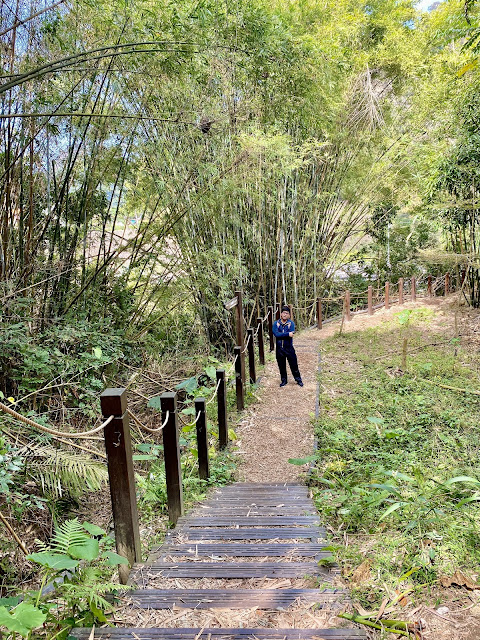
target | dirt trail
[{"x": 279, "y": 426}]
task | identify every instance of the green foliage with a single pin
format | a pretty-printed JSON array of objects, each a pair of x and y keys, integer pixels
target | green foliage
[
  {"x": 22, "y": 619},
  {"x": 77, "y": 562},
  {"x": 397, "y": 458}
]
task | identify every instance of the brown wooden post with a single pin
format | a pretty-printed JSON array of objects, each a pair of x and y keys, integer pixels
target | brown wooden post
[
  {"x": 370, "y": 300},
  {"x": 238, "y": 379},
  {"x": 239, "y": 328},
  {"x": 270, "y": 328},
  {"x": 387, "y": 295},
  {"x": 429, "y": 286},
  {"x": 202, "y": 439},
  {"x": 251, "y": 356},
  {"x": 400, "y": 291},
  {"x": 277, "y": 311},
  {"x": 414, "y": 289},
  {"x": 261, "y": 343},
  {"x": 118, "y": 446},
  {"x": 447, "y": 284},
  {"x": 171, "y": 454},
  {"x": 222, "y": 409},
  {"x": 319, "y": 313},
  {"x": 348, "y": 314}
]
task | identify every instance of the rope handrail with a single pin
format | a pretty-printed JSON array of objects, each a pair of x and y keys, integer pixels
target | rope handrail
[
  {"x": 215, "y": 392},
  {"x": 53, "y": 432},
  {"x": 246, "y": 345},
  {"x": 232, "y": 366},
  {"x": 144, "y": 427},
  {"x": 190, "y": 424},
  {"x": 304, "y": 308}
]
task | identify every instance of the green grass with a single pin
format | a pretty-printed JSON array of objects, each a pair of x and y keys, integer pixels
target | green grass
[{"x": 391, "y": 448}]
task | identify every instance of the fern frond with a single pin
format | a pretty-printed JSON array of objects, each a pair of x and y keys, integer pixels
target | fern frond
[
  {"x": 56, "y": 470},
  {"x": 67, "y": 534}
]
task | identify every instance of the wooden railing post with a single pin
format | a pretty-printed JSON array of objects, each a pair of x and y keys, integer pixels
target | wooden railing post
[
  {"x": 222, "y": 409},
  {"x": 261, "y": 343},
  {"x": 202, "y": 439},
  {"x": 400, "y": 291},
  {"x": 238, "y": 379},
  {"x": 270, "y": 328},
  {"x": 251, "y": 356},
  {"x": 239, "y": 328},
  {"x": 370, "y": 300},
  {"x": 348, "y": 314},
  {"x": 447, "y": 284},
  {"x": 414, "y": 289},
  {"x": 171, "y": 453},
  {"x": 387, "y": 295},
  {"x": 118, "y": 446},
  {"x": 429, "y": 286},
  {"x": 319, "y": 313}
]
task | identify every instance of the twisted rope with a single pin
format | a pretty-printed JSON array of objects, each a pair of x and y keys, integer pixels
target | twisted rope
[
  {"x": 246, "y": 344},
  {"x": 215, "y": 392},
  {"x": 144, "y": 427},
  {"x": 190, "y": 424},
  {"x": 53, "y": 432}
]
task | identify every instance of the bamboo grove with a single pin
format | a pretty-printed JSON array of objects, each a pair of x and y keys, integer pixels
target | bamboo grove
[{"x": 155, "y": 157}]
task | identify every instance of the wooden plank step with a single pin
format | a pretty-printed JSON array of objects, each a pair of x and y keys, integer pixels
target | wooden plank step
[
  {"x": 220, "y": 634},
  {"x": 276, "y": 533},
  {"x": 247, "y": 512},
  {"x": 248, "y": 493},
  {"x": 233, "y": 598},
  {"x": 260, "y": 503},
  {"x": 232, "y": 570},
  {"x": 244, "y": 550},
  {"x": 250, "y": 521}
]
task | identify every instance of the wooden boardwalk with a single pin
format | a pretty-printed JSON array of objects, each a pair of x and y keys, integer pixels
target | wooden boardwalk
[{"x": 250, "y": 532}]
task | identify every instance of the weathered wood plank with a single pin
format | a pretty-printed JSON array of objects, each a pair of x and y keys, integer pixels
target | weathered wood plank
[
  {"x": 250, "y": 521},
  {"x": 233, "y": 598},
  {"x": 233, "y": 570},
  {"x": 253, "y": 534},
  {"x": 220, "y": 634}
]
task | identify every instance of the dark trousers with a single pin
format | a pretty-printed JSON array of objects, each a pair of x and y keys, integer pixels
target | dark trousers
[{"x": 282, "y": 356}]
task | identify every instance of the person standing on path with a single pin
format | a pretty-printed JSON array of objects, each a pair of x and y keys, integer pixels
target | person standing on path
[{"x": 283, "y": 330}]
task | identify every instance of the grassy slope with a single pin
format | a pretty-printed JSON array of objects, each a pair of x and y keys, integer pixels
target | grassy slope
[{"x": 388, "y": 440}]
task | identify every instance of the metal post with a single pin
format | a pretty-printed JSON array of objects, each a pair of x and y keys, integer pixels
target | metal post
[
  {"x": 319, "y": 313},
  {"x": 447, "y": 284},
  {"x": 222, "y": 409},
  {"x": 238, "y": 379},
  {"x": 251, "y": 356},
  {"x": 171, "y": 453},
  {"x": 202, "y": 440},
  {"x": 348, "y": 314},
  {"x": 400, "y": 291},
  {"x": 270, "y": 328},
  {"x": 261, "y": 343},
  {"x": 414, "y": 290},
  {"x": 121, "y": 477},
  {"x": 387, "y": 295},
  {"x": 429, "y": 286},
  {"x": 370, "y": 300},
  {"x": 239, "y": 327}
]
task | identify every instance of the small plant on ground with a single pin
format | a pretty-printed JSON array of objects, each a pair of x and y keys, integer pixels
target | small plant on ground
[{"x": 74, "y": 570}]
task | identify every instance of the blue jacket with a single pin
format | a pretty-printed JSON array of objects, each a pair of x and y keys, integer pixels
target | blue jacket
[{"x": 281, "y": 331}]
